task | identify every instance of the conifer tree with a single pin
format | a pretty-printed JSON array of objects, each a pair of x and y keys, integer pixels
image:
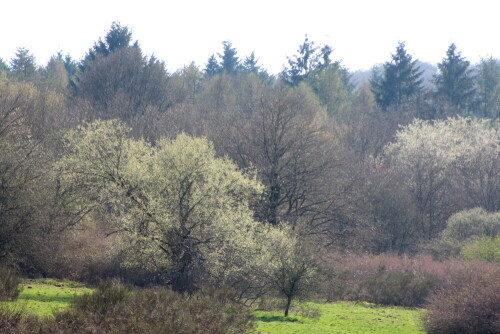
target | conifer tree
[
  {"x": 23, "y": 65},
  {"x": 212, "y": 68},
  {"x": 400, "y": 81},
  {"x": 488, "y": 88},
  {"x": 229, "y": 61},
  {"x": 455, "y": 81},
  {"x": 118, "y": 37},
  {"x": 309, "y": 60}
]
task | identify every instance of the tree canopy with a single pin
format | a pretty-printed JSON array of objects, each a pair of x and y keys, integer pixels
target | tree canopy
[{"x": 400, "y": 80}]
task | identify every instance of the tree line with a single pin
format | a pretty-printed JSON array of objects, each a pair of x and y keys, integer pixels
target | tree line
[{"x": 230, "y": 176}]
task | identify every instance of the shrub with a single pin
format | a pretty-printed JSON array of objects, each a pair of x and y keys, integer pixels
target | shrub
[
  {"x": 461, "y": 228},
  {"x": 115, "y": 308},
  {"x": 468, "y": 223},
  {"x": 9, "y": 320},
  {"x": 397, "y": 288},
  {"x": 9, "y": 284},
  {"x": 482, "y": 248},
  {"x": 103, "y": 300},
  {"x": 469, "y": 303},
  {"x": 391, "y": 279}
]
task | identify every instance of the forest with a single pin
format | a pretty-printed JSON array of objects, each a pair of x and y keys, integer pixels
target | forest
[{"x": 313, "y": 182}]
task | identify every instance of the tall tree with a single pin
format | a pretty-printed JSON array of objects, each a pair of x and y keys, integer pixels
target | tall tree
[
  {"x": 124, "y": 84},
  {"x": 23, "y": 65},
  {"x": 400, "y": 82},
  {"x": 488, "y": 88},
  {"x": 56, "y": 75},
  {"x": 455, "y": 81},
  {"x": 118, "y": 37},
  {"x": 229, "y": 61},
  {"x": 310, "y": 59}
]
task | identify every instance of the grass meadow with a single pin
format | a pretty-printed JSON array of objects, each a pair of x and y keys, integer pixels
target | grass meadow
[{"x": 42, "y": 297}]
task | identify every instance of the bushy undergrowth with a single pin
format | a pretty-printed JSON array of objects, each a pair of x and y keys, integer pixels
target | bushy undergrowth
[
  {"x": 394, "y": 280},
  {"x": 467, "y": 304},
  {"x": 9, "y": 284},
  {"x": 482, "y": 248},
  {"x": 114, "y": 308}
]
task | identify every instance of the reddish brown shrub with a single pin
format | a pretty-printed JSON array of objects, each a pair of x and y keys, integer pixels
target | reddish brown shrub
[
  {"x": 469, "y": 303},
  {"x": 392, "y": 279}
]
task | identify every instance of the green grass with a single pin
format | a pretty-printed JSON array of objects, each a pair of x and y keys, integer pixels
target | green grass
[
  {"x": 343, "y": 317},
  {"x": 44, "y": 296}
]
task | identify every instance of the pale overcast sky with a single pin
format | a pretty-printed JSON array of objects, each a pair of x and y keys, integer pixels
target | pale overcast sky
[{"x": 362, "y": 32}]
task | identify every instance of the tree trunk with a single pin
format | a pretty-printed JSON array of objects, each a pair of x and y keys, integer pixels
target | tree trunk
[{"x": 288, "y": 302}]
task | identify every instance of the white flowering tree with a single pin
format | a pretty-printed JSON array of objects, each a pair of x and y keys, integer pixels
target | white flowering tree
[
  {"x": 445, "y": 164},
  {"x": 180, "y": 207}
]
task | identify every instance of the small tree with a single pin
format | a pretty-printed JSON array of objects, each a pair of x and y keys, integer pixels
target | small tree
[{"x": 290, "y": 265}]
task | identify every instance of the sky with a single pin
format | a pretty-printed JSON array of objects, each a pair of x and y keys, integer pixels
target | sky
[{"x": 362, "y": 32}]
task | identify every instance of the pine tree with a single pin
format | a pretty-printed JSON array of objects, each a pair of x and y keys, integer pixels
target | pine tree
[
  {"x": 400, "y": 80},
  {"x": 212, "y": 68},
  {"x": 455, "y": 81},
  {"x": 309, "y": 60},
  {"x": 488, "y": 88},
  {"x": 23, "y": 66},
  {"x": 118, "y": 37},
  {"x": 229, "y": 61},
  {"x": 250, "y": 64}
]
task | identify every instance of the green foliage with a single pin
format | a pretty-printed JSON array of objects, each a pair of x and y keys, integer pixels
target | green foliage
[
  {"x": 290, "y": 262},
  {"x": 9, "y": 284},
  {"x": 3, "y": 66},
  {"x": 455, "y": 81},
  {"x": 400, "y": 81},
  {"x": 229, "y": 61},
  {"x": 474, "y": 222},
  {"x": 308, "y": 62},
  {"x": 23, "y": 66},
  {"x": 118, "y": 37},
  {"x": 103, "y": 299},
  {"x": 114, "y": 308},
  {"x": 182, "y": 208},
  {"x": 331, "y": 89},
  {"x": 482, "y": 248},
  {"x": 57, "y": 76},
  {"x": 125, "y": 84},
  {"x": 212, "y": 67},
  {"x": 488, "y": 88}
]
